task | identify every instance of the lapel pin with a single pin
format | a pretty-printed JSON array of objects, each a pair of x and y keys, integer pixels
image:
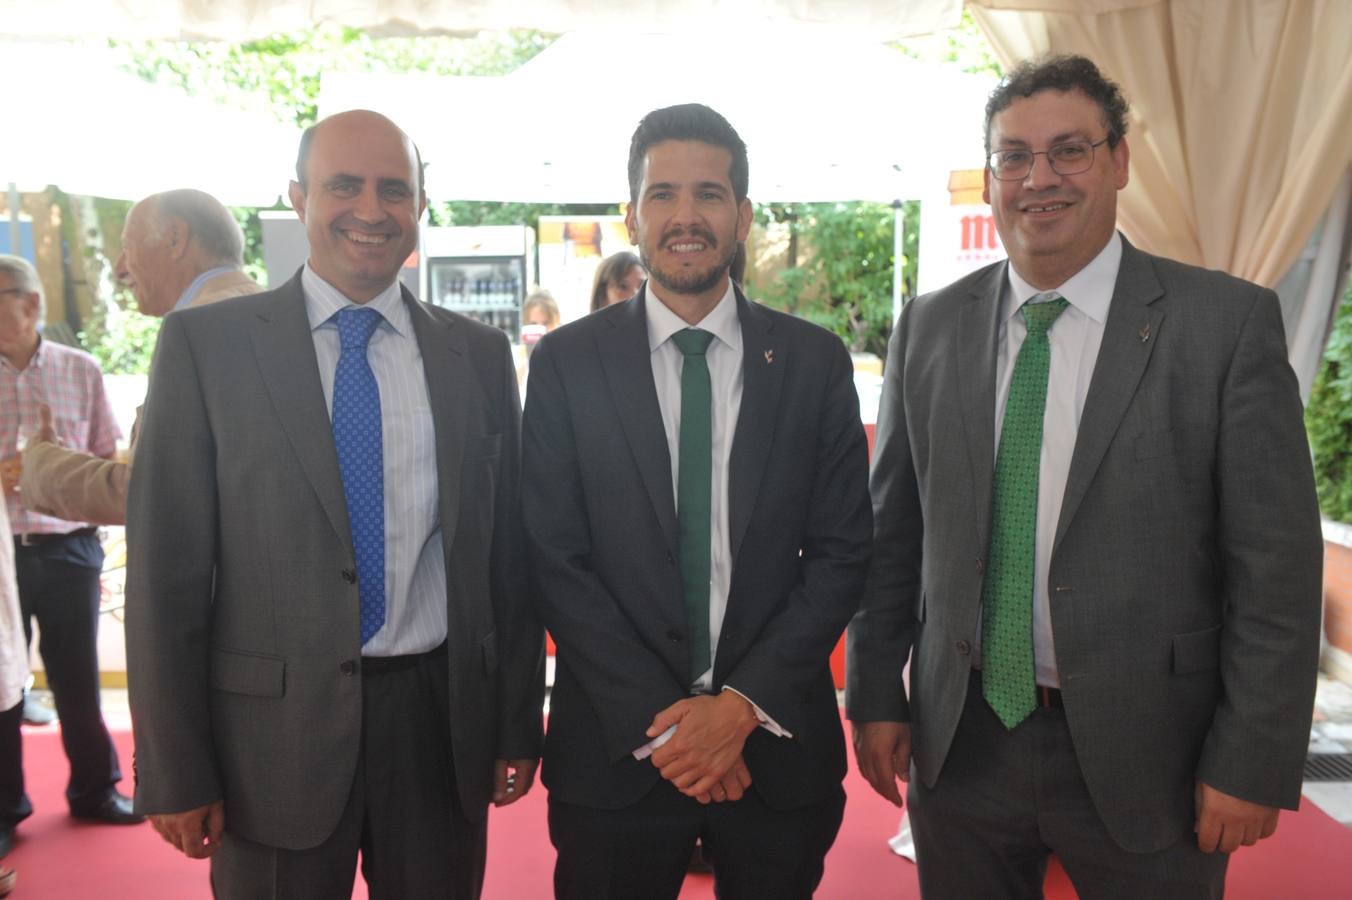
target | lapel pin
[
  {"x": 1145, "y": 332},
  {"x": 769, "y": 357}
]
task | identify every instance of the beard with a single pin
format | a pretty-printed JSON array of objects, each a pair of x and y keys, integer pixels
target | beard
[{"x": 690, "y": 281}]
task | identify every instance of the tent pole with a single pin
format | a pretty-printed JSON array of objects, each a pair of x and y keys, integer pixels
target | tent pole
[
  {"x": 898, "y": 233},
  {"x": 14, "y": 219}
]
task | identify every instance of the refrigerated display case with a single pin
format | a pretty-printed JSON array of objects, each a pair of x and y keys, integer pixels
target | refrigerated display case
[{"x": 480, "y": 271}]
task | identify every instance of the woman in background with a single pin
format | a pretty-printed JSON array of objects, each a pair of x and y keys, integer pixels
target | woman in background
[
  {"x": 617, "y": 279},
  {"x": 540, "y": 310}
]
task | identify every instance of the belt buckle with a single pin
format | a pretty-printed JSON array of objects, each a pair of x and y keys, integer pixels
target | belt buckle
[{"x": 26, "y": 539}]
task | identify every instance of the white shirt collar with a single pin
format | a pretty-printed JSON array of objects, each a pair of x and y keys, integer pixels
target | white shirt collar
[
  {"x": 1089, "y": 290},
  {"x": 721, "y": 320},
  {"x": 323, "y": 301}
]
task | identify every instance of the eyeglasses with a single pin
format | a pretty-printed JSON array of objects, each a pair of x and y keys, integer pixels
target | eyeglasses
[
  {"x": 1070, "y": 158},
  {"x": 15, "y": 291}
]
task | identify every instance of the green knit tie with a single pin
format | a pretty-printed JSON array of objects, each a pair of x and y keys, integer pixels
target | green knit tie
[
  {"x": 694, "y": 490},
  {"x": 1008, "y": 679}
]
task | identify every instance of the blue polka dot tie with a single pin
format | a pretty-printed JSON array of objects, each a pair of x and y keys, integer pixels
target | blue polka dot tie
[
  {"x": 1008, "y": 679},
  {"x": 361, "y": 461}
]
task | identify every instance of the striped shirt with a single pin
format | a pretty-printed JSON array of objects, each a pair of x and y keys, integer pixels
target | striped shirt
[
  {"x": 415, "y": 566},
  {"x": 70, "y": 382}
]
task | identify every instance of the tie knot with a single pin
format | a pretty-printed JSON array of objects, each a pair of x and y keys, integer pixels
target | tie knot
[
  {"x": 1041, "y": 311},
  {"x": 355, "y": 327},
  {"x": 692, "y": 341}
]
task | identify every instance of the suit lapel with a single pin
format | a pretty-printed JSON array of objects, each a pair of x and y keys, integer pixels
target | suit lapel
[
  {"x": 285, "y": 351},
  {"x": 626, "y": 360},
  {"x": 1128, "y": 341},
  {"x": 447, "y": 372},
  {"x": 763, "y": 365},
  {"x": 978, "y": 328}
]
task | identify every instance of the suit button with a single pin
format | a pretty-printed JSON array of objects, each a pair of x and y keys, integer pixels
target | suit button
[
  {"x": 348, "y": 667},
  {"x": 964, "y": 647},
  {"x": 349, "y": 576},
  {"x": 674, "y": 636},
  {"x": 671, "y": 560}
]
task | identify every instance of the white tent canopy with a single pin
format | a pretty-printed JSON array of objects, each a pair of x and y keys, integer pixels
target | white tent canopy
[
  {"x": 823, "y": 119},
  {"x": 94, "y": 130},
  {"x": 237, "y": 20}
]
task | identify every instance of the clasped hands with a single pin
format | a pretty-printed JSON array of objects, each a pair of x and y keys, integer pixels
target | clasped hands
[{"x": 703, "y": 758}]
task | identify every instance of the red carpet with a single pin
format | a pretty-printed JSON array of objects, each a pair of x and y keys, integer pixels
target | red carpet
[{"x": 57, "y": 858}]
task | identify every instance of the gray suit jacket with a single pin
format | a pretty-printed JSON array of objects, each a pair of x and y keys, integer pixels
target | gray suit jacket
[
  {"x": 242, "y": 618},
  {"x": 1185, "y": 576}
]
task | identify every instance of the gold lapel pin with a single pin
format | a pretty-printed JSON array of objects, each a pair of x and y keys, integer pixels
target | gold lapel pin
[
  {"x": 1145, "y": 332},
  {"x": 769, "y": 357}
]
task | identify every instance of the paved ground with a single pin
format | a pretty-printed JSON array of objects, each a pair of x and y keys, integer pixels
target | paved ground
[{"x": 1332, "y": 733}]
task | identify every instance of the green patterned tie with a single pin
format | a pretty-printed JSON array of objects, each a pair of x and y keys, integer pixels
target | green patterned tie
[
  {"x": 694, "y": 490},
  {"x": 1008, "y": 679}
]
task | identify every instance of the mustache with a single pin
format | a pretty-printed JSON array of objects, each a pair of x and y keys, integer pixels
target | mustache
[
  {"x": 695, "y": 231},
  {"x": 350, "y": 223}
]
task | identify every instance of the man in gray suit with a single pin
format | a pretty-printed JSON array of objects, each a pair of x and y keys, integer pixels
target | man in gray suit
[
  {"x": 1112, "y": 620},
  {"x": 330, "y": 647}
]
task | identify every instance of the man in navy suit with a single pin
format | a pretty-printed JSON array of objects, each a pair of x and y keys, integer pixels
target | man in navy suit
[{"x": 693, "y": 696}]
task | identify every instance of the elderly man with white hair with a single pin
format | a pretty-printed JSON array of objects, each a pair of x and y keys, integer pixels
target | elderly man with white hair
[{"x": 179, "y": 248}]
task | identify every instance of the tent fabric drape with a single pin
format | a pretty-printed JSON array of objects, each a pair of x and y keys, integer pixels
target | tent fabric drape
[
  {"x": 239, "y": 20},
  {"x": 1310, "y": 289},
  {"x": 1241, "y": 115}
]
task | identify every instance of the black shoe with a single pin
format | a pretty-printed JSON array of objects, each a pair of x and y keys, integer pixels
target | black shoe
[
  {"x": 6, "y": 841},
  {"x": 35, "y": 712},
  {"x": 114, "y": 810}
]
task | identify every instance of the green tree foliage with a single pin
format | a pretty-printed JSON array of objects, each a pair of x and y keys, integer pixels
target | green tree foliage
[
  {"x": 1328, "y": 419},
  {"x": 841, "y": 267},
  {"x": 280, "y": 74},
  {"x": 477, "y": 212},
  {"x": 118, "y": 336},
  {"x": 964, "y": 46}
]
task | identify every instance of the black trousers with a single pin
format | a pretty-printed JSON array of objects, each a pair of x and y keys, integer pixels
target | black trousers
[
  {"x": 641, "y": 852},
  {"x": 1006, "y": 800},
  {"x": 14, "y": 803},
  {"x": 59, "y": 587},
  {"x": 403, "y": 815}
]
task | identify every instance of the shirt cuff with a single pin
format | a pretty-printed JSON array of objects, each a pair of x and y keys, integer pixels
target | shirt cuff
[
  {"x": 765, "y": 721},
  {"x": 647, "y": 749}
]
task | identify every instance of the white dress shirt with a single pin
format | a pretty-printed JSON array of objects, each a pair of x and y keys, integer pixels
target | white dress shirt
[
  {"x": 724, "y": 357},
  {"x": 1075, "y": 338},
  {"x": 415, "y": 566}
]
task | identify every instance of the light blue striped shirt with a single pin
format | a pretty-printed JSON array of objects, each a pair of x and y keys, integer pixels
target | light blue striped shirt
[
  {"x": 415, "y": 566},
  {"x": 190, "y": 293}
]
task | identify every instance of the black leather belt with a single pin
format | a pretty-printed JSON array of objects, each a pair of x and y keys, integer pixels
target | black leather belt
[{"x": 34, "y": 539}]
